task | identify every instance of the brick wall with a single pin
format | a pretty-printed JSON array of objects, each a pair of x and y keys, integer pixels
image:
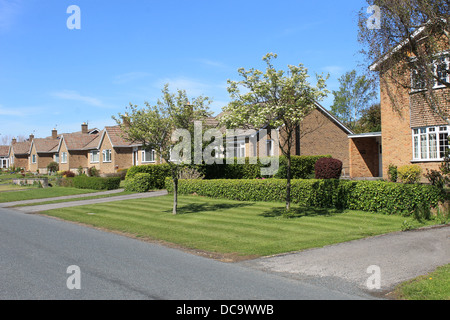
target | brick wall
[{"x": 364, "y": 158}]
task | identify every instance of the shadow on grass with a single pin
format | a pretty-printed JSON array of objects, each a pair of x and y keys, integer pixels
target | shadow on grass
[
  {"x": 201, "y": 207},
  {"x": 300, "y": 212}
]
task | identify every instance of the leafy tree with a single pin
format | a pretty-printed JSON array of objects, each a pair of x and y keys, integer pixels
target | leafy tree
[
  {"x": 370, "y": 120},
  {"x": 155, "y": 125},
  {"x": 274, "y": 98},
  {"x": 412, "y": 35},
  {"x": 353, "y": 98}
]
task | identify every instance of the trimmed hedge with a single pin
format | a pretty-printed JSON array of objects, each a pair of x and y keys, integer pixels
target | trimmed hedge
[
  {"x": 96, "y": 183},
  {"x": 140, "y": 182},
  {"x": 326, "y": 168},
  {"x": 302, "y": 167},
  {"x": 371, "y": 196}
]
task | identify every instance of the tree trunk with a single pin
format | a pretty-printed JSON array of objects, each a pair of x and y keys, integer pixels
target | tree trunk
[
  {"x": 288, "y": 185},
  {"x": 175, "y": 195}
]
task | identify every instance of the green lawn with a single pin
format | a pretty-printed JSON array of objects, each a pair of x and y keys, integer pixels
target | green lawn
[
  {"x": 435, "y": 286},
  {"x": 40, "y": 193},
  {"x": 231, "y": 227}
]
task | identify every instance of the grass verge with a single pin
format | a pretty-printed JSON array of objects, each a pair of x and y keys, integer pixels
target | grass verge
[
  {"x": 41, "y": 193},
  {"x": 226, "y": 227},
  {"x": 434, "y": 286}
]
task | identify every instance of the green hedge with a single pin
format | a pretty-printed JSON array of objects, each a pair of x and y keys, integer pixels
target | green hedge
[
  {"x": 372, "y": 196},
  {"x": 95, "y": 183},
  {"x": 140, "y": 182},
  {"x": 302, "y": 167}
]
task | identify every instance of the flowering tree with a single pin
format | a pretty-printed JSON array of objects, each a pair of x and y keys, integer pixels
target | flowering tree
[
  {"x": 277, "y": 99},
  {"x": 159, "y": 128}
]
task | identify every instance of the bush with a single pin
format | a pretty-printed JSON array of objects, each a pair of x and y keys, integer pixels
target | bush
[
  {"x": 158, "y": 174},
  {"x": 53, "y": 167},
  {"x": 96, "y": 183},
  {"x": 371, "y": 196},
  {"x": 409, "y": 174},
  {"x": 392, "y": 173},
  {"x": 328, "y": 168},
  {"x": 68, "y": 174},
  {"x": 140, "y": 182},
  {"x": 93, "y": 172}
]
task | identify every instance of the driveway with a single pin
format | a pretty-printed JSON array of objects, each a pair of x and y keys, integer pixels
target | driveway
[{"x": 399, "y": 256}]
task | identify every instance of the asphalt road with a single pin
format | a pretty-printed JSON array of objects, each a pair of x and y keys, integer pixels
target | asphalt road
[{"x": 36, "y": 252}]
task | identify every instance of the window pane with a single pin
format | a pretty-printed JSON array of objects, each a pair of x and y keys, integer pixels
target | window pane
[
  {"x": 433, "y": 146},
  {"x": 423, "y": 147},
  {"x": 443, "y": 144},
  {"x": 416, "y": 147}
]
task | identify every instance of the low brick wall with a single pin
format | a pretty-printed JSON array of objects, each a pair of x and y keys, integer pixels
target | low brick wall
[{"x": 31, "y": 181}]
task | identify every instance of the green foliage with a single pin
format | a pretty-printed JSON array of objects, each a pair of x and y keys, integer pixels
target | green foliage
[
  {"x": 96, "y": 183},
  {"x": 409, "y": 173},
  {"x": 370, "y": 196},
  {"x": 53, "y": 167},
  {"x": 392, "y": 173},
  {"x": 157, "y": 173},
  {"x": 140, "y": 182},
  {"x": 93, "y": 172}
]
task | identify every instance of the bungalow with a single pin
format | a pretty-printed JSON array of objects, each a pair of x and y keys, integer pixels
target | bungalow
[
  {"x": 19, "y": 152},
  {"x": 320, "y": 133},
  {"x": 42, "y": 152},
  {"x": 4, "y": 159}
]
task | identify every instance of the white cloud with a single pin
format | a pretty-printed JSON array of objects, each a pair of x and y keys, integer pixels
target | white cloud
[
  {"x": 75, "y": 96},
  {"x": 129, "y": 77}
]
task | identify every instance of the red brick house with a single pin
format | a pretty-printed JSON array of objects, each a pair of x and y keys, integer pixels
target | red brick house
[{"x": 412, "y": 133}]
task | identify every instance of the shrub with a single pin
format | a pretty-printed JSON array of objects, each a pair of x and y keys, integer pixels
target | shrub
[
  {"x": 371, "y": 196},
  {"x": 436, "y": 178},
  {"x": 53, "y": 167},
  {"x": 68, "y": 174},
  {"x": 328, "y": 168},
  {"x": 409, "y": 174},
  {"x": 140, "y": 182},
  {"x": 93, "y": 172},
  {"x": 96, "y": 183},
  {"x": 158, "y": 174},
  {"x": 392, "y": 173}
]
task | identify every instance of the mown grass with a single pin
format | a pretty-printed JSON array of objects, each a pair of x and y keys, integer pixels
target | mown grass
[
  {"x": 434, "y": 286},
  {"x": 224, "y": 226},
  {"x": 41, "y": 193}
]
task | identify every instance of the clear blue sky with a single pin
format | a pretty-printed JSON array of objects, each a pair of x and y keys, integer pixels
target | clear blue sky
[{"x": 126, "y": 51}]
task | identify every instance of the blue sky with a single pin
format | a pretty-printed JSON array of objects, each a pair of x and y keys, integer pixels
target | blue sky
[{"x": 126, "y": 51}]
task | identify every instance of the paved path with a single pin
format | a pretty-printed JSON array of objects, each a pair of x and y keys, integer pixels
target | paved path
[
  {"x": 84, "y": 195},
  {"x": 44, "y": 207},
  {"x": 400, "y": 256}
]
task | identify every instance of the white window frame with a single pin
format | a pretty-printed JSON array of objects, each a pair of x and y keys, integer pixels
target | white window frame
[
  {"x": 429, "y": 143},
  {"x": 414, "y": 73},
  {"x": 152, "y": 154},
  {"x": 239, "y": 149},
  {"x": 105, "y": 154},
  {"x": 63, "y": 157},
  {"x": 33, "y": 158},
  {"x": 97, "y": 152},
  {"x": 56, "y": 157}
]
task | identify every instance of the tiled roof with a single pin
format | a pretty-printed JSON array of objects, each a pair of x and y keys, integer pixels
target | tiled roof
[
  {"x": 116, "y": 135},
  {"x": 4, "y": 150},
  {"x": 47, "y": 145},
  {"x": 78, "y": 141},
  {"x": 21, "y": 147}
]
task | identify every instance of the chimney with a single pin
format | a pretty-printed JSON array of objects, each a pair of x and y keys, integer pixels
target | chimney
[
  {"x": 55, "y": 134},
  {"x": 14, "y": 141},
  {"x": 84, "y": 128},
  {"x": 31, "y": 137},
  {"x": 126, "y": 120}
]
